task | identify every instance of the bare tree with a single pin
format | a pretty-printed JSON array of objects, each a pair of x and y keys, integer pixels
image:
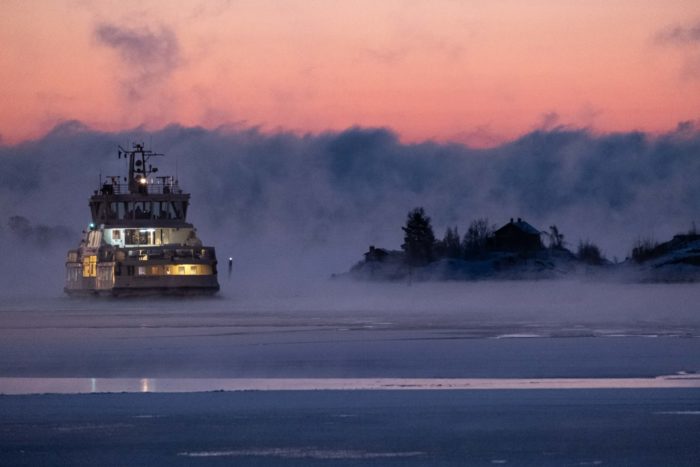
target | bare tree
[
  {"x": 476, "y": 239},
  {"x": 556, "y": 238}
]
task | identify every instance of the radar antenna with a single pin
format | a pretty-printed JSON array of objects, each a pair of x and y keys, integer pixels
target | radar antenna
[{"x": 139, "y": 170}]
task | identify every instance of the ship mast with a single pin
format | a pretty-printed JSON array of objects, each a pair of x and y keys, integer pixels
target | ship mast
[{"x": 138, "y": 170}]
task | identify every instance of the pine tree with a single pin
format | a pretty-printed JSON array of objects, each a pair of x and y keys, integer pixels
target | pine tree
[{"x": 419, "y": 239}]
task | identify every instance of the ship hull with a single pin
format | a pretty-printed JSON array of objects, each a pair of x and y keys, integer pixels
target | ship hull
[
  {"x": 133, "y": 277},
  {"x": 144, "y": 292}
]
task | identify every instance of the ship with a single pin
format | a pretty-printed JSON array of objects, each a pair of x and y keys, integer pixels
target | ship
[{"x": 139, "y": 241}]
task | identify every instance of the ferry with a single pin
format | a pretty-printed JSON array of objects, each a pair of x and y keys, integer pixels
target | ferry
[{"x": 139, "y": 241}]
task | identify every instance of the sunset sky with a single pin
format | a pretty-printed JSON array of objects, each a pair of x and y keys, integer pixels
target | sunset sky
[{"x": 479, "y": 72}]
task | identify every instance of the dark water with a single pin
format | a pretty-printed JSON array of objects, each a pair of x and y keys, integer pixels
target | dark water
[{"x": 571, "y": 427}]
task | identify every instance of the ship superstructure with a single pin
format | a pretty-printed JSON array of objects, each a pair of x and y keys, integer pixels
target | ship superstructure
[{"x": 139, "y": 241}]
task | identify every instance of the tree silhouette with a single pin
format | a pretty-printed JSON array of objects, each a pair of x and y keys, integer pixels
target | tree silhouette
[
  {"x": 450, "y": 246},
  {"x": 556, "y": 238},
  {"x": 589, "y": 253},
  {"x": 477, "y": 237},
  {"x": 419, "y": 239}
]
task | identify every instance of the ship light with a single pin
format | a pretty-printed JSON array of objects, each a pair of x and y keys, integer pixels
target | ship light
[
  {"x": 143, "y": 180},
  {"x": 91, "y": 226}
]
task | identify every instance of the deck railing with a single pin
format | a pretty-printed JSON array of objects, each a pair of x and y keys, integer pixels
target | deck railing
[{"x": 153, "y": 186}]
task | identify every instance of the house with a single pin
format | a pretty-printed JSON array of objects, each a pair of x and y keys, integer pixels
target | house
[
  {"x": 376, "y": 254},
  {"x": 517, "y": 236}
]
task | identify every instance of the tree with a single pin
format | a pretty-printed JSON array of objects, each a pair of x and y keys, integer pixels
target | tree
[
  {"x": 477, "y": 236},
  {"x": 645, "y": 249},
  {"x": 450, "y": 246},
  {"x": 419, "y": 239},
  {"x": 556, "y": 238},
  {"x": 589, "y": 253}
]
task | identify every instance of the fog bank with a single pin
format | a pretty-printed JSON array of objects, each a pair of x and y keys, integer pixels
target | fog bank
[{"x": 289, "y": 207}]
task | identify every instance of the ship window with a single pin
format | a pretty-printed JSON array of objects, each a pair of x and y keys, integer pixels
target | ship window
[
  {"x": 138, "y": 237},
  {"x": 142, "y": 270},
  {"x": 168, "y": 210},
  {"x": 94, "y": 238},
  {"x": 129, "y": 270},
  {"x": 177, "y": 209},
  {"x": 131, "y": 236},
  {"x": 142, "y": 210},
  {"x": 102, "y": 211},
  {"x": 89, "y": 266},
  {"x": 189, "y": 270},
  {"x": 116, "y": 234}
]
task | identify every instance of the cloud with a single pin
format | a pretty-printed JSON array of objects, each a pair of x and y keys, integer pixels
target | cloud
[
  {"x": 148, "y": 57},
  {"x": 549, "y": 121},
  {"x": 680, "y": 35},
  {"x": 687, "y": 39},
  {"x": 309, "y": 205}
]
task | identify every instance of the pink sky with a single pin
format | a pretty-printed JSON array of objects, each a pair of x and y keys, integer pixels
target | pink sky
[{"x": 479, "y": 72}]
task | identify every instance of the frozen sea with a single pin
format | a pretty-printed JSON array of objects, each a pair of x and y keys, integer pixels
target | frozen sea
[{"x": 301, "y": 375}]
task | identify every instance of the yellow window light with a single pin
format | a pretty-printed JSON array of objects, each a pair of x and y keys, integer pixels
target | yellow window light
[
  {"x": 188, "y": 270},
  {"x": 90, "y": 266}
]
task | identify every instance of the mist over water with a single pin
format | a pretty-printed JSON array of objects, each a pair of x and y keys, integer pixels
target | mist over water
[{"x": 294, "y": 209}]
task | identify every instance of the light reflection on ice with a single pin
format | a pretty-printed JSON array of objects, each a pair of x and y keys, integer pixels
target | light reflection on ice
[
  {"x": 518, "y": 336},
  {"x": 302, "y": 453},
  {"x": 165, "y": 385}
]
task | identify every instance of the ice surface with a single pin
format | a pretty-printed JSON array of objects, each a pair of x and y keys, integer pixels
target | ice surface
[
  {"x": 339, "y": 330},
  {"x": 170, "y": 385}
]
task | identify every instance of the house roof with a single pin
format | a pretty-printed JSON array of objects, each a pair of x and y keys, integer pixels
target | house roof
[{"x": 522, "y": 226}]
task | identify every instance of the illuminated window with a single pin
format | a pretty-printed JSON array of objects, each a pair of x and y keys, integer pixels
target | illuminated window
[
  {"x": 90, "y": 266},
  {"x": 188, "y": 270},
  {"x": 142, "y": 270}
]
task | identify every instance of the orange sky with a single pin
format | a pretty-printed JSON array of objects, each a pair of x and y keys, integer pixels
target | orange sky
[{"x": 479, "y": 72}]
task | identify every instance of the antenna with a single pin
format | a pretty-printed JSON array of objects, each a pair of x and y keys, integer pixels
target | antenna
[{"x": 139, "y": 169}]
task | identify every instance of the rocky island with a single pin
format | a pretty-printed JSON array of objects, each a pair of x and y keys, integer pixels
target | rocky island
[{"x": 519, "y": 251}]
